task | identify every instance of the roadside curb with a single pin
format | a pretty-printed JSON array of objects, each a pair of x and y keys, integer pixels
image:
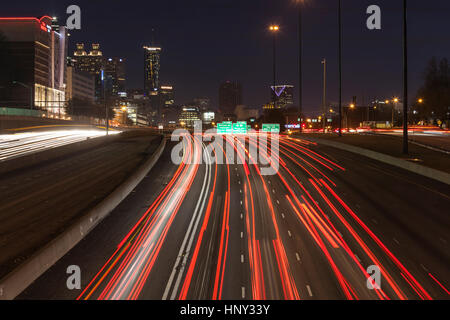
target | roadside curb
[
  {"x": 25, "y": 274},
  {"x": 403, "y": 164}
]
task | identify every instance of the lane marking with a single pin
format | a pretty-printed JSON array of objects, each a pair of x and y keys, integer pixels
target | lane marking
[
  {"x": 190, "y": 235},
  {"x": 396, "y": 241},
  {"x": 309, "y": 290},
  {"x": 298, "y": 257},
  {"x": 243, "y": 292},
  {"x": 290, "y": 234},
  {"x": 424, "y": 268},
  {"x": 242, "y": 258}
]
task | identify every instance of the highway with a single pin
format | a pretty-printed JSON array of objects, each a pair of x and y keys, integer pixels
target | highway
[
  {"x": 17, "y": 145},
  {"x": 205, "y": 230}
]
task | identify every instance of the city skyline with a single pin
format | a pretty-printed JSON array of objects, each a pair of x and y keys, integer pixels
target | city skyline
[
  {"x": 235, "y": 153},
  {"x": 196, "y": 63}
]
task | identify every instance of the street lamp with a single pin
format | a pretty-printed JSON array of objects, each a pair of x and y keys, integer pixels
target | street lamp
[
  {"x": 394, "y": 108},
  {"x": 300, "y": 60},
  {"x": 340, "y": 65},
  {"x": 405, "y": 79},
  {"x": 29, "y": 88},
  {"x": 274, "y": 29},
  {"x": 324, "y": 102},
  {"x": 105, "y": 100},
  {"x": 351, "y": 107}
]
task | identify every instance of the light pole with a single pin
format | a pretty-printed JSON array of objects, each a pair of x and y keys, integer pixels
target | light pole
[
  {"x": 405, "y": 79},
  {"x": 274, "y": 29},
  {"x": 106, "y": 102},
  {"x": 324, "y": 102},
  {"x": 340, "y": 66},
  {"x": 300, "y": 61},
  {"x": 351, "y": 107},
  {"x": 394, "y": 108},
  {"x": 29, "y": 88}
]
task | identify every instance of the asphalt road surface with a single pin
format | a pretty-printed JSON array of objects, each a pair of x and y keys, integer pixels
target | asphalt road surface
[
  {"x": 315, "y": 229},
  {"x": 40, "y": 201}
]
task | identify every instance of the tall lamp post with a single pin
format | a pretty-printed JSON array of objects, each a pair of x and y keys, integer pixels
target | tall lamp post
[
  {"x": 405, "y": 79},
  {"x": 324, "y": 102},
  {"x": 394, "y": 109},
  {"x": 105, "y": 101},
  {"x": 29, "y": 88},
  {"x": 274, "y": 29},
  {"x": 340, "y": 66},
  {"x": 300, "y": 61}
]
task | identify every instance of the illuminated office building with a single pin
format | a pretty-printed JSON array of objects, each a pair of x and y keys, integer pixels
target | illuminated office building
[
  {"x": 167, "y": 96},
  {"x": 189, "y": 115},
  {"x": 282, "y": 96},
  {"x": 115, "y": 76},
  {"x": 80, "y": 85},
  {"x": 35, "y": 71},
  {"x": 92, "y": 62},
  {"x": 152, "y": 67}
]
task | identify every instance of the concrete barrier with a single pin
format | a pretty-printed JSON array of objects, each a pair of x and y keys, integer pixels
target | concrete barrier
[
  {"x": 24, "y": 275},
  {"x": 403, "y": 164}
]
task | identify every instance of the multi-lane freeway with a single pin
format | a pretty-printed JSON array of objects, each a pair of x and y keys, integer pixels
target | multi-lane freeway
[{"x": 205, "y": 230}]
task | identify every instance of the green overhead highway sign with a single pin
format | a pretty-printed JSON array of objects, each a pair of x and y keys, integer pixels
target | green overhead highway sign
[
  {"x": 225, "y": 128},
  {"x": 240, "y": 127},
  {"x": 229, "y": 127},
  {"x": 271, "y": 128}
]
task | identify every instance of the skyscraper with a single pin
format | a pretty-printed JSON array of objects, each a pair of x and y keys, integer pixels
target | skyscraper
[
  {"x": 115, "y": 76},
  {"x": 167, "y": 96},
  {"x": 283, "y": 95},
  {"x": 94, "y": 63},
  {"x": 152, "y": 67},
  {"x": 34, "y": 74},
  {"x": 230, "y": 96}
]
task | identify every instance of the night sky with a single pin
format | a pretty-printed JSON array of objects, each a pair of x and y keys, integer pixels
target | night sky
[{"x": 208, "y": 41}]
